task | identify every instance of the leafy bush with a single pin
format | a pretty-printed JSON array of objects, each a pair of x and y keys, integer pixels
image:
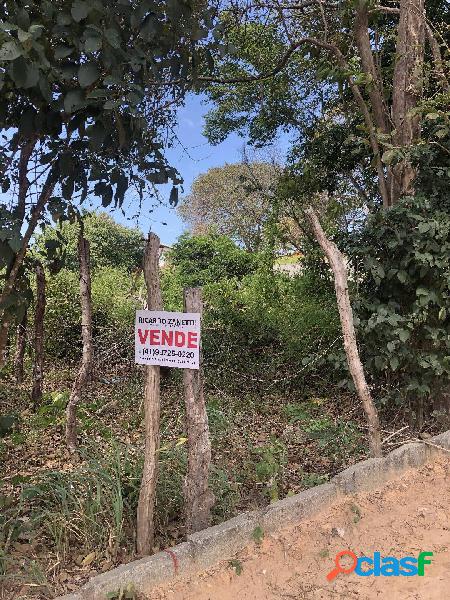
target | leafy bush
[
  {"x": 209, "y": 258},
  {"x": 111, "y": 244},
  {"x": 114, "y": 300},
  {"x": 401, "y": 265},
  {"x": 263, "y": 329},
  {"x": 259, "y": 326}
]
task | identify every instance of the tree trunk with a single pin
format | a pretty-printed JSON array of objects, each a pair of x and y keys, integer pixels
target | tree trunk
[
  {"x": 4, "y": 334},
  {"x": 21, "y": 343},
  {"x": 197, "y": 496},
  {"x": 85, "y": 370},
  {"x": 36, "y": 213},
  {"x": 407, "y": 90},
  {"x": 145, "y": 513},
  {"x": 375, "y": 89},
  {"x": 38, "y": 367},
  {"x": 337, "y": 263}
]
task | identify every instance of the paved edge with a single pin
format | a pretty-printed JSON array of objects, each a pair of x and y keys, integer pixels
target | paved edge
[{"x": 210, "y": 546}]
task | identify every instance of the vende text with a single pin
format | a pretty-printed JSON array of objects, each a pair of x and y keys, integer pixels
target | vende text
[{"x": 172, "y": 338}]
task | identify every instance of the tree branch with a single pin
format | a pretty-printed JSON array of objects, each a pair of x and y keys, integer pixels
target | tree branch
[
  {"x": 437, "y": 58},
  {"x": 375, "y": 91},
  {"x": 25, "y": 154},
  {"x": 36, "y": 213}
]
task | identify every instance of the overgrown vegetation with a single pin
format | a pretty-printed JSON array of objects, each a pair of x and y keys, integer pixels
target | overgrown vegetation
[{"x": 88, "y": 103}]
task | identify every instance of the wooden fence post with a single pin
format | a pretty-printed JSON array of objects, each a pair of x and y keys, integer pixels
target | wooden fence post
[
  {"x": 198, "y": 497},
  {"x": 38, "y": 368},
  {"x": 87, "y": 359},
  {"x": 145, "y": 513}
]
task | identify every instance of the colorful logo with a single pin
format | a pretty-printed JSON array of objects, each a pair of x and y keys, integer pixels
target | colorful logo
[{"x": 384, "y": 566}]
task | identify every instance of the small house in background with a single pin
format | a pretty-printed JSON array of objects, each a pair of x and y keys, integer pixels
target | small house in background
[{"x": 163, "y": 255}]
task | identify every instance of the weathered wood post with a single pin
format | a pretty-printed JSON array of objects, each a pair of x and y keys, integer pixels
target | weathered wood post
[
  {"x": 38, "y": 368},
  {"x": 198, "y": 497},
  {"x": 85, "y": 370},
  {"x": 146, "y": 505}
]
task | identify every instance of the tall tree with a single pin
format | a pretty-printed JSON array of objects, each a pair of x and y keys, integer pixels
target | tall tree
[
  {"x": 233, "y": 200},
  {"x": 89, "y": 94},
  {"x": 298, "y": 63},
  {"x": 111, "y": 244}
]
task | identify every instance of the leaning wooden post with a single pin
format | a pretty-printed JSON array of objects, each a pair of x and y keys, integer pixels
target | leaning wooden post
[
  {"x": 38, "y": 368},
  {"x": 197, "y": 496},
  {"x": 337, "y": 264},
  {"x": 146, "y": 505}
]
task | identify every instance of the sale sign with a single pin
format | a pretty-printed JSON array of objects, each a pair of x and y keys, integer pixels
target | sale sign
[{"x": 167, "y": 339}]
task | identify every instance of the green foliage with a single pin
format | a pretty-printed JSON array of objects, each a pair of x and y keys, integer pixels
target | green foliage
[
  {"x": 236, "y": 565},
  {"x": 85, "y": 508},
  {"x": 125, "y": 592},
  {"x": 113, "y": 313},
  {"x": 310, "y": 480},
  {"x": 84, "y": 86},
  {"x": 258, "y": 534},
  {"x": 261, "y": 108},
  {"x": 111, "y": 244},
  {"x": 232, "y": 200},
  {"x": 204, "y": 259},
  {"x": 403, "y": 273},
  {"x": 51, "y": 410},
  {"x": 272, "y": 458},
  {"x": 7, "y": 424},
  {"x": 260, "y": 328},
  {"x": 270, "y": 323},
  {"x": 62, "y": 315},
  {"x": 339, "y": 438}
]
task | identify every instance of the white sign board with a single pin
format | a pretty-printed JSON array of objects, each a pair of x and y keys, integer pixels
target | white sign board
[{"x": 168, "y": 339}]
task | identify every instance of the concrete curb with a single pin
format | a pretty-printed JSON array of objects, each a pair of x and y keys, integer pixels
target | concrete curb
[{"x": 210, "y": 546}]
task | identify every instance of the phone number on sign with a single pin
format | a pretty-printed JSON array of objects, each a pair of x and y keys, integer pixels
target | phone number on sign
[{"x": 158, "y": 352}]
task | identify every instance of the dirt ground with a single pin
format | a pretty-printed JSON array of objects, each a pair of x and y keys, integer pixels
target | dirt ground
[{"x": 407, "y": 516}]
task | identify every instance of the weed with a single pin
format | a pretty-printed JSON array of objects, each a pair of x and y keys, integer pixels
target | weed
[
  {"x": 236, "y": 565},
  {"x": 338, "y": 438},
  {"x": 51, "y": 410},
  {"x": 310, "y": 480},
  {"x": 357, "y": 512},
  {"x": 268, "y": 470},
  {"x": 84, "y": 508},
  {"x": 218, "y": 421},
  {"x": 124, "y": 593},
  {"x": 258, "y": 534},
  {"x": 226, "y": 493},
  {"x": 325, "y": 553}
]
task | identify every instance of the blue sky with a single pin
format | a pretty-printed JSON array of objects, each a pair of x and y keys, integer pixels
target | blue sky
[{"x": 192, "y": 156}]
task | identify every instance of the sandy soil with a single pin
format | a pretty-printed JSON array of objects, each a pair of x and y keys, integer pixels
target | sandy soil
[{"x": 407, "y": 516}]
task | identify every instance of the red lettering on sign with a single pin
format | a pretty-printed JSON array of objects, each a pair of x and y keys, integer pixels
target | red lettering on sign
[
  {"x": 167, "y": 338},
  {"x": 179, "y": 339},
  {"x": 142, "y": 337},
  {"x": 192, "y": 339},
  {"x": 154, "y": 337}
]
